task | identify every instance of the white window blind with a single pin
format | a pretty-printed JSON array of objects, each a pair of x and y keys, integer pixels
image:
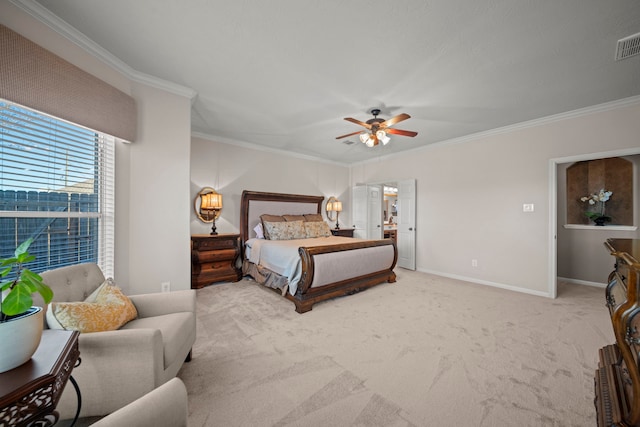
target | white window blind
[{"x": 57, "y": 187}]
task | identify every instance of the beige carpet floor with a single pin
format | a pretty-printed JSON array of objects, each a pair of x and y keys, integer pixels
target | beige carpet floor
[{"x": 424, "y": 351}]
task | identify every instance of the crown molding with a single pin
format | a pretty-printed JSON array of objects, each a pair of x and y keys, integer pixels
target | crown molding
[
  {"x": 599, "y": 108},
  {"x": 45, "y": 16}
]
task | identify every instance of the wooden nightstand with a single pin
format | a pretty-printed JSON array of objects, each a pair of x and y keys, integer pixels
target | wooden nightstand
[
  {"x": 344, "y": 232},
  {"x": 214, "y": 258}
]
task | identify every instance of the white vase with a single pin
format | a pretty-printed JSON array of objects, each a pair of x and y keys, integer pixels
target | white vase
[{"x": 20, "y": 338}]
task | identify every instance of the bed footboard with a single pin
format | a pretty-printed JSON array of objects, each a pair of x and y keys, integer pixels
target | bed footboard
[{"x": 337, "y": 270}]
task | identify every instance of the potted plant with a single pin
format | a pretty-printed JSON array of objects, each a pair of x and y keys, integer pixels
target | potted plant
[
  {"x": 21, "y": 324},
  {"x": 601, "y": 197}
]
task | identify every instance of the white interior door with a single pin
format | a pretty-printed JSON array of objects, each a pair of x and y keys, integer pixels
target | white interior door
[
  {"x": 359, "y": 200},
  {"x": 406, "y": 221},
  {"x": 374, "y": 202}
]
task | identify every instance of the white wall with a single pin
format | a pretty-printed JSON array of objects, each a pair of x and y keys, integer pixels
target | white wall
[
  {"x": 158, "y": 238},
  {"x": 470, "y": 195},
  {"x": 231, "y": 169},
  {"x": 152, "y": 190}
]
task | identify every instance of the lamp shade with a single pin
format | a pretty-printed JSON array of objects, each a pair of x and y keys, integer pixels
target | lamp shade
[
  {"x": 211, "y": 201},
  {"x": 337, "y": 206}
]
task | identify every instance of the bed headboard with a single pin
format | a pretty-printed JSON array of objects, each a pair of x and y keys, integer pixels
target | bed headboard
[{"x": 255, "y": 203}]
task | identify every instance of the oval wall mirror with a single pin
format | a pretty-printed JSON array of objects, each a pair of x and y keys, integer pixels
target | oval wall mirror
[
  {"x": 205, "y": 217},
  {"x": 330, "y": 214}
]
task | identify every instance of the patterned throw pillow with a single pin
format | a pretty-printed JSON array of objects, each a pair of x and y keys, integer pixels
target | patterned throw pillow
[
  {"x": 264, "y": 218},
  {"x": 284, "y": 230},
  {"x": 106, "y": 309},
  {"x": 317, "y": 229}
]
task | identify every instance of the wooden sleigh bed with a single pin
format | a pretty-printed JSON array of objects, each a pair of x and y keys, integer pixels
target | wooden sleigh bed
[{"x": 327, "y": 267}]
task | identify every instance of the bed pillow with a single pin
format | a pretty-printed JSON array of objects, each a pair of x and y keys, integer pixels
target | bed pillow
[
  {"x": 293, "y": 217},
  {"x": 259, "y": 231},
  {"x": 269, "y": 218},
  {"x": 284, "y": 230},
  {"x": 313, "y": 217},
  {"x": 107, "y": 309},
  {"x": 317, "y": 229}
]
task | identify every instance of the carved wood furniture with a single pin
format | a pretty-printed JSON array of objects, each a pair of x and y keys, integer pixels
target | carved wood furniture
[
  {"x": 214, "y": 258},
  {"x": 345, "y": 232},
  {"x": 314, "y": 260},
  {"x": 29, "y": 393},
  {"x": 617, "y": 379}
]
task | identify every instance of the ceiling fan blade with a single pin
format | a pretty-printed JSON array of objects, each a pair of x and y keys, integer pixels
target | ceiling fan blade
[
  {"x": 393, "y": 120},
  {"x": 400, "y": 132},
  {"x": 349, "y": 134},
  {"x": 358, "y": 122}
]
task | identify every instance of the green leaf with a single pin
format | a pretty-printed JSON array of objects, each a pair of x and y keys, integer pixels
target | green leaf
[
  {"x": 25, "y": 258},
  {"x": 9, "y": 261},
  {"x": 36, "y": 284},
  {"x": 17, "y": 301},
  {"x": 24, "y": 247}
]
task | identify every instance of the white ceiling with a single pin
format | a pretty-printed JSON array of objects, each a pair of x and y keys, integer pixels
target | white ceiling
[{"x": 284, "y": 73}]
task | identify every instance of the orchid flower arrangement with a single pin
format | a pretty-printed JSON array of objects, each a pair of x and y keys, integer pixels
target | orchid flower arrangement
[{"x": 600, "y": 197}]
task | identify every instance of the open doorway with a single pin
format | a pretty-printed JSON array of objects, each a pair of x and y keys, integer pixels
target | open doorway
[{"x": 372, "y": 222}]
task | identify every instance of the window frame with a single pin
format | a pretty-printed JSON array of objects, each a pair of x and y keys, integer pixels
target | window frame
[{"x": 103, "y": 169}]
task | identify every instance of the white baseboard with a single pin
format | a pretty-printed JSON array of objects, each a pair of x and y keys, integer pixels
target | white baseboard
[
  {"x": 487, "y": 283},
  {"x": 582, "y": 282}
]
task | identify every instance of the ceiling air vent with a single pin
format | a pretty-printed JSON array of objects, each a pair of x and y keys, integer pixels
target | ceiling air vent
[
  {"x": 628, "y": 46},
  {"x": 348, "y": 142}
]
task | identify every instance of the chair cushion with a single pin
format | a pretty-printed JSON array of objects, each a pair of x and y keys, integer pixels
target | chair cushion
[
  {"x": 173, "y": 327},
  {"x": 106, "y": 309}
]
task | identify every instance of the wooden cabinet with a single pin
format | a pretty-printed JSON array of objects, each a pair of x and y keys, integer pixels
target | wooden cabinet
[
  {"x": 391, "y": 233},
  {"x": 617, "y": 379},
  {"x": 214, "y": 259},
  {"x": 345, "y": 232}
]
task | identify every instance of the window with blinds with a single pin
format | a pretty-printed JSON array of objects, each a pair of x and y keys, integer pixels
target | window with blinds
[{"x": 57, "y": 187}]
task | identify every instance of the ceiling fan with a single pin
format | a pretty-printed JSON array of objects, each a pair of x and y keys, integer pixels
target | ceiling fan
[{"x": 379, "y": 128}]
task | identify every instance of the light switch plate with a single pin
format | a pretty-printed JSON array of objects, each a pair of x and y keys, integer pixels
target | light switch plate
[{"x": 527, "y": 207}]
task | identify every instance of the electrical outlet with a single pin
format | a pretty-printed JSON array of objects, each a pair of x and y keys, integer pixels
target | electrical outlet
[
  {"x": 527, "y": 207},
  {"x": 165, "y": 286},
  {"x": 474, "y": 263}
]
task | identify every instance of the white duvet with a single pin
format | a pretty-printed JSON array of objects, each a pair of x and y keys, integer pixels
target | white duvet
[{"x": 281, "y": 256}]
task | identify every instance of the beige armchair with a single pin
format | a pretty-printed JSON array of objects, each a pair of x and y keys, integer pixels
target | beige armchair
[
  {"x": 120, "y": 366},
  {"x": 166, "y": 406}
]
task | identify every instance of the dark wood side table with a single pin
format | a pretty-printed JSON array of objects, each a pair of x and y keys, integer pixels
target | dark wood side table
[
  {"x": 214, "y": 259},
  {"x": 345, "y": 232},
  {"x": 29, "y": 393}
]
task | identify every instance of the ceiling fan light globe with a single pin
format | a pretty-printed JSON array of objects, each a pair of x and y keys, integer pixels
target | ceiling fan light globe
[
  {"x": 364, "y": 137},
  {"x": 370, "y": 142},
  {"x": 381, "y": 134},
  {"x": 385, "y": 140}
]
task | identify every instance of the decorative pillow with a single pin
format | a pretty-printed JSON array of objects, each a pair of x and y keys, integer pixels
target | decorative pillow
[
  {"x": 285, "y": 230},
  {"x": 313, "y": 217},
  {"x": 317, "y": 229},
  {"x": 293, "y": 217},
  {"x": 107, "y": 309},
  {"x": 259, "y": 231},
  {"x": 269, "y": 218}
]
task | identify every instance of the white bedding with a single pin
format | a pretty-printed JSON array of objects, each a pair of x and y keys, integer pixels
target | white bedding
[{"x": 281, "y": 256}]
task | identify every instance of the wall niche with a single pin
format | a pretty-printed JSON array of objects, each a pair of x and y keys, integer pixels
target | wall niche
[{"x": 588, "y": 177}]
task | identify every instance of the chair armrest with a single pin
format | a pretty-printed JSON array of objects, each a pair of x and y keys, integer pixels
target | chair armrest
[
  {"x": 116, "y": 368},
  {"x": 166, "y": 406},
  {"x": 150, "y": 305}
]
